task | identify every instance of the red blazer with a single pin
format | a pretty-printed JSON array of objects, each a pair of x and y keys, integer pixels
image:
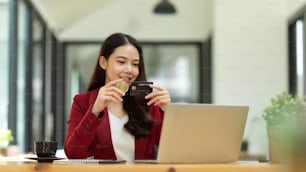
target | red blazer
[{"x": 89, "y": 136}]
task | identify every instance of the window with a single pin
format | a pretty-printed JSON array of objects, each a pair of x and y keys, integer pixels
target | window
[
  {"x": 23, "y": 72},
  {"x": 299, "y": 57},
  {"x": 297, "y": 82},
  {"x": 174, "y": 66},
  {"x": 4, "y": 63},
  {"x": 21, "y": 64}
]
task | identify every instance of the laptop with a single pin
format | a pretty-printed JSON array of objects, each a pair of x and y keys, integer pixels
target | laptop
[{"x": 201, "y": 133}]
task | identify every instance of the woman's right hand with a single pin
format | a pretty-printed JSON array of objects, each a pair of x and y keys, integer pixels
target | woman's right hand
[{"x": 106, "y": 94}]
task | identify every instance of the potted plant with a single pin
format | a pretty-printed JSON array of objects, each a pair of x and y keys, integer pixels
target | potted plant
[
  {"x": 5, "y": 138},
  {"x": 285, "y": 119}
]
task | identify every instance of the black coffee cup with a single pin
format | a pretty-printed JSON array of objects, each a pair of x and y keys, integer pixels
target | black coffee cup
[{"x": 45, "y": 148}]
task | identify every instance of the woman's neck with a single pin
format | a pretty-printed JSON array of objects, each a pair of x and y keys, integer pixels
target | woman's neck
[{"x": 117, "y": 109}]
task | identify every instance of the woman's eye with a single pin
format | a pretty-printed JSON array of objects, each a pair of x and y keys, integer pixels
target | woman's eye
[
  {"x": 136, "y": 64},
  {"x": 121, "y": 62}
]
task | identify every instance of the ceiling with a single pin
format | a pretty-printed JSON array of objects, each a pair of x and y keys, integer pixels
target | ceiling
[
  {"x": 94, "y": 19},
  {"x": 59, "y": 14}
]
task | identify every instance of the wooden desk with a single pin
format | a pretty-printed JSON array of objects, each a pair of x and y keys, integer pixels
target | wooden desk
[{"x": 131, "y": 167}]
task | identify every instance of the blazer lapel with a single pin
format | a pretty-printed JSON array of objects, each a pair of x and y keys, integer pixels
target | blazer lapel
[
  {"x": 103, "y": 131},
  {"x": 104, "y": 134}
]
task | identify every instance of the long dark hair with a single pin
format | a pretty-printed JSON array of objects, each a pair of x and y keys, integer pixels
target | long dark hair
[{"x": 140, "y": 122}]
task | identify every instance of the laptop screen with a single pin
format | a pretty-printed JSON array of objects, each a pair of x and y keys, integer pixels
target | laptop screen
[{"x": 202, "y": 133}]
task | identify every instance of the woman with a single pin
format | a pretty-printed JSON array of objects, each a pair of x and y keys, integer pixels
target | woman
[{"x": 107, "y": 123}]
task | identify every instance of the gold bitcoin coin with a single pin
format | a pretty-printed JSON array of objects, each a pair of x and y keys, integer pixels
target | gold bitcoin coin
[{"x": 123, "y": 86}]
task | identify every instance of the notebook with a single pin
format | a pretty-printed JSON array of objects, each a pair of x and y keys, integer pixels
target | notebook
[
  {"x": 201, "y": 133},
  {"x": 95, "y": 161}
]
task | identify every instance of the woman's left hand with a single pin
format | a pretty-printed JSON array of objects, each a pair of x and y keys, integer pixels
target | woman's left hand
[{"x": 159, "y": 97}]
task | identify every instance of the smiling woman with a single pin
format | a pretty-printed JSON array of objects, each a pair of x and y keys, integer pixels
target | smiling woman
[{"x": 107, "y": 123}]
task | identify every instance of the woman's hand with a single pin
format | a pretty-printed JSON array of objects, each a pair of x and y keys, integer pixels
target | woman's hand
[
  {"x": 108, "y": 93},
  {"x": 159, "y": 97}
]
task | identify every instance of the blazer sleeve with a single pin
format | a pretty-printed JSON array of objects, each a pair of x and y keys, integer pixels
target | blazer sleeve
[
  {"x": 82, "y": 125},
  {"x": 158, "y": 116}
]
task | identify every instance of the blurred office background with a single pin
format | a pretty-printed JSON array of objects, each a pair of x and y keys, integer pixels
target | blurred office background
[{"x": 209, "y": 51}]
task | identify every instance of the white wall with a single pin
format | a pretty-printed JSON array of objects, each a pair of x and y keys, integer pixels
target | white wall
[
  {"x": 250, "y": 58},
  {"x": 294, "y": 5}
]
